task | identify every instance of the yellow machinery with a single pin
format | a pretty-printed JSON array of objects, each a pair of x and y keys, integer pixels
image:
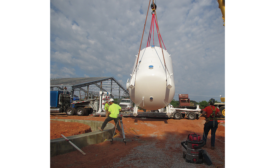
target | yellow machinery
[
  {"x": 221, "y": 106},
  {"x": 222, "y": 99},
  {"x": 222, "y": 8}
]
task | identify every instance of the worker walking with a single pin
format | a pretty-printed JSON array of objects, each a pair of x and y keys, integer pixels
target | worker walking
[
  {"x": 113, "y": 112},
  {"x": 210, "y": 113}
]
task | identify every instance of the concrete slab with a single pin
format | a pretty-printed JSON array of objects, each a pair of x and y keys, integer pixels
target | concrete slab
[{"x": 61, "y": 146}]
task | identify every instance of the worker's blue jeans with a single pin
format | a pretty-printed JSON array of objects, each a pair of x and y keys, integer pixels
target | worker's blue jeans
[{"x": 207, "y": 126}]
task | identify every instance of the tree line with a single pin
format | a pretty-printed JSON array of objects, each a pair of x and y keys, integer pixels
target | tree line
[{"x": 175, "y": 103}]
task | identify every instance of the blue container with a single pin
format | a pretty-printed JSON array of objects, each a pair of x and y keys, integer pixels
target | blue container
[
  {"x": 75, "y": 99},
  {"x": 54, "y": 98}
]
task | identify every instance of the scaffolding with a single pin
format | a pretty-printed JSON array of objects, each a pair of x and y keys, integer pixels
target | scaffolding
[{"x": 89, "y": 87}]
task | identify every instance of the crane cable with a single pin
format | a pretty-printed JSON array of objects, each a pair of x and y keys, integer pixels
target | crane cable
[
  {"x": 160, "y": 42},
  {"x": 159, "y": 36},
  {"x": 142, "y": 35},
  {"x": 153, "y": 22}
]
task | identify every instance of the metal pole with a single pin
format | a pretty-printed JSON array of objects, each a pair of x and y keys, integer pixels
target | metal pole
[
  {"x": 88, "y": 92},
  {"x": 101, "y": 96},
  {"x": 111, "y": 85},
  {"x": 73, "y": 145},
  {"x": 79, "y": 95}
]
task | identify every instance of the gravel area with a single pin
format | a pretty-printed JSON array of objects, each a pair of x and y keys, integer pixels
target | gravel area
[{"x": 150, "y": 143}]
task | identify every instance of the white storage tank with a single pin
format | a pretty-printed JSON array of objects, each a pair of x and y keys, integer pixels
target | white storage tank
[{"x": 152, "y": 86}]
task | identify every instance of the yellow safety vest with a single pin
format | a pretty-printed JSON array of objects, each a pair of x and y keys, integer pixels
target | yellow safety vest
[
  {"x": 114, "y": 110},
  {"x": 106, "y": 107}
]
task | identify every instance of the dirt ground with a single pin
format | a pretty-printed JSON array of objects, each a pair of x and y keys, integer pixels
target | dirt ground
[
  {"x": 67, "y": 129},
  {"x": 150, "y": 143}
]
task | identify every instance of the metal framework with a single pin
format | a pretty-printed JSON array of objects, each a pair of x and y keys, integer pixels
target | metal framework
[{"x": 89, "y": 86}]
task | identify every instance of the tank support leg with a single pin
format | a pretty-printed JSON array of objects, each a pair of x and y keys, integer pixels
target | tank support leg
[
  {"x": 135, "y": 111},
  {"x": 168, "y": 110}
]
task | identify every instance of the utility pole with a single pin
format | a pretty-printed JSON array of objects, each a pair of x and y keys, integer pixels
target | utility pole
[{"x": 111, "y": 85}]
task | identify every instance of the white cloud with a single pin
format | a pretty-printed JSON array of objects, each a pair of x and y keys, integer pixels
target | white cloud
[
  {"x": 62, "y": 72},
  {"x": 65, "y": 58},
  {"x": 68, "y": 71},
  {"x": 96, "y": 38}
]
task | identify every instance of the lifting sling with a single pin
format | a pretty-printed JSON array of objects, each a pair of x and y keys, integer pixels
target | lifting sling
[{"x": 212, "y": 116}]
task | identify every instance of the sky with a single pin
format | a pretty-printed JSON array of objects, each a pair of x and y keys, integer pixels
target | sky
[
  {"x": 101, "y": 38},
  {"x": 30, "y": 43},
  {"x": 27, "y": 64}
]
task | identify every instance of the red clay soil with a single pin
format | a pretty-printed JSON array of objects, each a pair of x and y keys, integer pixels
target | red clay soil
[
  {"x": 150, "y": 143},
  {"x": 67, "y": 129}
]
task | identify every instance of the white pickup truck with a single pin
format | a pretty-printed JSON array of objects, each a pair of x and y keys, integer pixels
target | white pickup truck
[{"x": 126, "y": 104}]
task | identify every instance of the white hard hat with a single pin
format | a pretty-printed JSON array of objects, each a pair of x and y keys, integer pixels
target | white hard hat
[{"x": 111, "y": 100}]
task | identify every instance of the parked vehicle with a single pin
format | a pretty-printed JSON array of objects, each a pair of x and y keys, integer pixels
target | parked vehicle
[
  {"x": 221, "y": 106},
  {"x": 61, "y": 102},
  {"x": 184, "y": 102},
  {"x": 184, "y": 110},
  {"x": 126, "y": 104}
]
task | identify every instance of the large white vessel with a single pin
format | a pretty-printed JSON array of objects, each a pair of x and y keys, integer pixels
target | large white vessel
[{"x": 151, "y": 86}]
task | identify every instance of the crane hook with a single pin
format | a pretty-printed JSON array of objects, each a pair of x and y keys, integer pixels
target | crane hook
[{"x": 153, "y": 7}]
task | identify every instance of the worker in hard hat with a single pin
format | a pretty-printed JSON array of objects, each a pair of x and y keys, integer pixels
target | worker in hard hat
[
  {"x": 106, "y": 107},
  {"x": 113, "y": 112},
  {"x": 210, "y": 113}
]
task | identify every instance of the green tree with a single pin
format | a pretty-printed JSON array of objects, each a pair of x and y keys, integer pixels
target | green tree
[
  {"x": 203, "y": 104},
  {"x": 175, "y": 103},
  {"x": 193, "y": 103}
]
